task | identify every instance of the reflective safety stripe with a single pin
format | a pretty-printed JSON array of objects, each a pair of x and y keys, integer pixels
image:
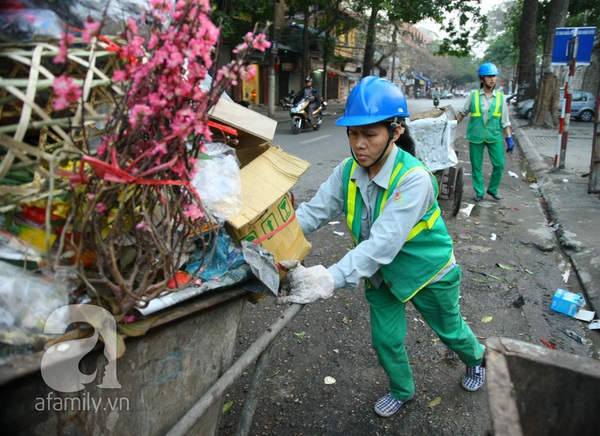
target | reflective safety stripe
[
  {"x": 422, "y": 225},
  {"x": 475, "y": 106},
  {"x": 393, "y": 183},
  {"x": 498, "y": 102},
  {"x": 353, "y": 206},
  {"x": 352, "y": 199}
]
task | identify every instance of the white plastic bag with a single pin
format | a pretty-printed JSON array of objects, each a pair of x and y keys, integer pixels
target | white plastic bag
[
  {"x": 26, "y": 301},
  {"x": 218, "y": 183}
]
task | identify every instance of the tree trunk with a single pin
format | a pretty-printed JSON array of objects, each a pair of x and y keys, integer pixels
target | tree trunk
[
  {"x": 545, "y": 112},
  {"x": 306, "y": 44},
  {"x": 370, "y": 39},
  {"x": 527, "y": 49}
]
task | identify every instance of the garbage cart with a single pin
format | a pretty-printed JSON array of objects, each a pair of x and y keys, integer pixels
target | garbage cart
[
  {"x": 161, "y": 375},
  {"x": 434, "y": 133},
  {"x": 534, "y": 390}
]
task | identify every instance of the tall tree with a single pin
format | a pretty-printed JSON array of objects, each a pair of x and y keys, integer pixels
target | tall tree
[
  {"x": 461, "y": 20},
  {"x": 545, "y": 112},
  {"x": 526, "y": 69}
]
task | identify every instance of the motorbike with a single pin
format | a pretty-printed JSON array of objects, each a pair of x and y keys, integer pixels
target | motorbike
[
  {"x": 436, "y": 101},
  {"x": 300, "y": 116},
  {"x": 287, "y": 102}
]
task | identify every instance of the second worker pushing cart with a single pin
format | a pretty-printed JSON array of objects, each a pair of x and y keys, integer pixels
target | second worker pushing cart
[{"x": 402, "y": 248}]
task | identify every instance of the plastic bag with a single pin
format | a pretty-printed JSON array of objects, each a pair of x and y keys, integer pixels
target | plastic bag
[
  {"x": 218, "y": 183},
  {"x": 225, "y": 256},
  {"x": 26, "y": 301},
  {"x": 26, "y": 25}
]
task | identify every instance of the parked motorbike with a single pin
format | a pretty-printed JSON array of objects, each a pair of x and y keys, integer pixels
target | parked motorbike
[
  {"x": 299, "y": 116},
  {"x": 287, "y": 102}
]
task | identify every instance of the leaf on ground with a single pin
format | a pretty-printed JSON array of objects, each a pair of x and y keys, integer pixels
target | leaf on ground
[
  {"x": 487, "y": 319},
  {"x": 300, "y": 335},
  {"x": 435, "y": 402},
  {"x": 227, "y": 406},
  {"x": 528, "y": 272},
  {"x": 501, "y": 265}
]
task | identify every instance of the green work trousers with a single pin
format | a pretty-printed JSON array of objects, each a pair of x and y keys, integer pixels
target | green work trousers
[
  {"x": 438, "y": 304},
  {"x": 496, "y": 153}
]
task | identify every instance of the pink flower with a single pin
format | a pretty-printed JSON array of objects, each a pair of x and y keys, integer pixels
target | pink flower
[
  {"x": 241, "y": 47},
  {"x": 142, "y": 225},
  {"x": 120, "y": 76},
  {"x": 193, "y": 212},
  {"x": 100, "y": 207},
  {"x": 260, "y": 42},
  {"x": 90, "y": 30},
  {"x": 66, "y": 92},
  {"x": 63, "y": 47},
  {"x": 249, "y": 73},
  {"x": 132, "y": 26},
  {"x": 139, "y": 114}
]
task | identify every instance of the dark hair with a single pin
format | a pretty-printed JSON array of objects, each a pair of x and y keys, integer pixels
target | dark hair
[{"x": 405, "y": 142}]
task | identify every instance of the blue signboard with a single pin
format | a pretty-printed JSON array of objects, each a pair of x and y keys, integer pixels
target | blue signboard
[{"x": 560, "y": 54}]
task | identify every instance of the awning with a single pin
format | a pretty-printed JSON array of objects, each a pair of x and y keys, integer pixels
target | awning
[{"x": 419, "y": 77}]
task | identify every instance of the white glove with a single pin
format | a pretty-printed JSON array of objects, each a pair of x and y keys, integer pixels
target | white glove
[{"x": 306, "y": 284}]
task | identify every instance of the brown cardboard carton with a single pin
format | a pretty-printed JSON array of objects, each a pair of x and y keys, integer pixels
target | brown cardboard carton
[{"x": 267, "y": 175}]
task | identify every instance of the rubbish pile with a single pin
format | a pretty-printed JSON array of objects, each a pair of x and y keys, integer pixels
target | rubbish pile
[{"x": 126, "y": 179}]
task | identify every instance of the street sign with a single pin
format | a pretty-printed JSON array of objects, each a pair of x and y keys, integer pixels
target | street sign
[{"x": 562, "y": 35}]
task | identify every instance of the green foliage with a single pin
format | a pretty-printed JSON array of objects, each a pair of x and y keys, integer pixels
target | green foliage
[
  {"x": 584, "y": 13},
  {"x": 236, "y": 18}
]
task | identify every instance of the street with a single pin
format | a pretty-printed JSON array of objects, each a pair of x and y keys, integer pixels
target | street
[{"x": 511, "y": 267}]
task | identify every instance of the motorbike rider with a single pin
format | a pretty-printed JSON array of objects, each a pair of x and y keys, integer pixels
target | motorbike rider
[
  {"x": 311, "y": 93},
  {"x": 435, "y": 93}
]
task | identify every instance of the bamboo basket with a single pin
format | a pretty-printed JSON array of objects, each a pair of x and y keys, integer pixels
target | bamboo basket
[{"x": 35, "y": 137}]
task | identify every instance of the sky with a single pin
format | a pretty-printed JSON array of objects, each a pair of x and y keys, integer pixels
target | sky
[
  {"x": 479, "y": 49},
  {"x": 485, "y": 6}
]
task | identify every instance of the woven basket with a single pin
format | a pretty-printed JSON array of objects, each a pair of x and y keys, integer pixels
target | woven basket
[{"x": 35, "y": 137}]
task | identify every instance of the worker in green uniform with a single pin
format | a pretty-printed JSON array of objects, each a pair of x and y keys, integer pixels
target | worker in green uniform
[
  {"x": 403, "y": 250},
  {"x": 489, "y": 119}
]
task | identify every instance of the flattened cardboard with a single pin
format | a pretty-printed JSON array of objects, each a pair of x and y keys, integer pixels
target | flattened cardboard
[
  {"x": 253, "y": 128},
  {"x": 264, "y": 181}
]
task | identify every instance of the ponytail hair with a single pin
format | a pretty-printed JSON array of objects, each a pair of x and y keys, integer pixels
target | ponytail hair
[{"x": 406, "y": 142}]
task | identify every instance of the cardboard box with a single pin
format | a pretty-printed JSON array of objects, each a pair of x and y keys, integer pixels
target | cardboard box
[
  {"x": 267, "y": 175},
  {"x": 566, "y": 302},
  {"x": 268, "y": 214}
]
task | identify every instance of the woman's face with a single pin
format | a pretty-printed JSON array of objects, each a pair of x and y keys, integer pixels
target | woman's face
[{"x": 368, "y": 142}]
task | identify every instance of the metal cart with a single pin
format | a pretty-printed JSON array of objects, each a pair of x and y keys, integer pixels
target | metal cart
[{"x": 434, "y": 132}]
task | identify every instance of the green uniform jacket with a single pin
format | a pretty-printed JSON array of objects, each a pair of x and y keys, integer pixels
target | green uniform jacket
[
  {"x": 479, "y": 129},
  {"x": 428, "y": 248}
]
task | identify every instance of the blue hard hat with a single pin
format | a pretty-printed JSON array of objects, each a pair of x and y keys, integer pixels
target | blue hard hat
[
  {"x": 488, "y": 69},
  {"x": 374, "y": 99}
]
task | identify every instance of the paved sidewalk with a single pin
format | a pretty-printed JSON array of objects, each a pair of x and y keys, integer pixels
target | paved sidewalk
[{"x": 574, "y": 213}]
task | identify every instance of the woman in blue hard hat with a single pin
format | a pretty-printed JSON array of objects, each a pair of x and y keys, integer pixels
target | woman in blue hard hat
[
  {"x": 403, "y": 250},
  {"x": 489, "y": 120}
]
